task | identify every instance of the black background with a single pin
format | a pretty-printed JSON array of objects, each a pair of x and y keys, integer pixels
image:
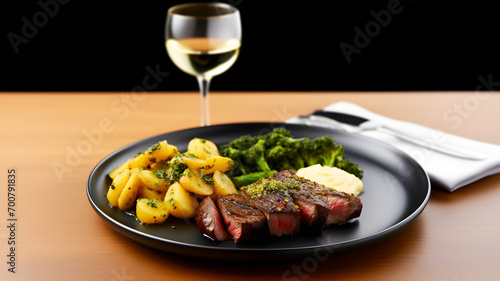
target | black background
[{"x": 287, "y": 46}]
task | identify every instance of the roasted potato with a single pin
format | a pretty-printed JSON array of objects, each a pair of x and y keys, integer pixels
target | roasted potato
[
  {"x": 202, "y": 148},
  {"x": 192, "y": 181},
  {"x": 151, "y": 211},
  {"x": 179, "y": 202},
  {"x": 141, "y": 160},
  {"x": 116, "y": 171},
  {"x": 159, "y": 186},
  {"x": 193, "y": 162},
  {"x": 158, "y": 152},
  {"x": 149, "y": 179},
  {"x": 116, "y": 187},
  {"x": 217, "y": 163},
  {"x": 146, "y": 192},
  {"x": 129, "y": 194},
  {"x": 162, "y": 151},
  {"x": 223, "y": 185}
]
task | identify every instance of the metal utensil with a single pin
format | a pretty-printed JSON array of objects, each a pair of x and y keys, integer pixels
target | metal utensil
[{"x": 356, "y": 124}]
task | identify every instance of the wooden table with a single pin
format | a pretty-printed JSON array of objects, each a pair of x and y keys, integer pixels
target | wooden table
[{"x": 53, "y": 140}]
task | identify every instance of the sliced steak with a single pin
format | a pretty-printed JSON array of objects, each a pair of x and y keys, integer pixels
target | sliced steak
[
  {"x": 208, "y": 220},
  {"x": 243, "y": 219},
  {"x": 342, "y": 206},
  {"x": 313, "y": 209},
  {"x": 270, "y": 196}
]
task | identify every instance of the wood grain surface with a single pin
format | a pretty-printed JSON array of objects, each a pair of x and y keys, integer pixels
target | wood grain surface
[{"x": 53, "y": 141}]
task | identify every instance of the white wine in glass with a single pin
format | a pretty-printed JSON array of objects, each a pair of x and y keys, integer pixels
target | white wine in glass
[{"x": 203, "y": 40}]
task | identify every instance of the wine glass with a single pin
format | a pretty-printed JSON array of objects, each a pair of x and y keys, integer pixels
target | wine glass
[{"x": 203, "y": 39}]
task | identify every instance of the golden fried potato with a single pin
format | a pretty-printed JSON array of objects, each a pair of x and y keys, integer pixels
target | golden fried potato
[
  {"x": 193, "y": 162},
  {"x": 147, "y": 192},
  {"x": 149, "y": 179},
  {"x": 223, "y": 185},
  {"x": 192, "y": 181},
  {"x": 116, "y": 187},
  {"x": 217, "y": 163},
  {"x": 179, "y": 202},
  {"x": 162, "y": 151},
  {"x": 151, "y": 211},
  {"x": 129, "y": 194},
  {"x": 202, "y": 148},
  {"x": 116, "y": 171},
  {"x": 141, "y": 160}
]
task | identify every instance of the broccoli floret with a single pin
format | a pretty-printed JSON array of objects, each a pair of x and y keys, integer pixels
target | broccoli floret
[
  {"x": 326, "y": 152},
  {"x": 282, "y": 131},
  {"x": 284, "y": 158},
  {"x": 351, "y": 167},
  {"x": 241, "y": 143},
  {"x": 282, "y": 137},
  {"x": 322, "y": 150},
  {"x": 247, "y": 154},
  {"x": 333, "y": 156},
  {"x": 255, "y": 156},
  {"x": 238, "y": 166},
  {"x": 309, "y": 153},
  {"x": 236, "y": 150},
  {"x": 275, "y": 154},
  {"x": 275, "y": 136},
  {"x": 291, "y": 142},
  {"x": 283, "y": 150}
]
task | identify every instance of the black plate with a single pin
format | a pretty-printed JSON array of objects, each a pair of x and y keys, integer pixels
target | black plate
[{"x": 396, "y": 192}]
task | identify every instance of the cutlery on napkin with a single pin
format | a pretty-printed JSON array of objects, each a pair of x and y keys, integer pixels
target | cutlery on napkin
[
  {"x": 356, "y": 124},
  {"x": 460, "y": 162}
]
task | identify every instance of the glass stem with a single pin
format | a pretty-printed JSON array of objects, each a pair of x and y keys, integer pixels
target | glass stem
[{"x": 204, "y": 83}]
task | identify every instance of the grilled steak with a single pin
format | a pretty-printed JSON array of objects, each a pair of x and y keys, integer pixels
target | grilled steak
[
  {"x": 284, "y": 200},
  {"x": 243, "y": 219},
  {"x": 283, "y": 215},
  {"x": 313, "y": 210},
  {"x": 208, "y": 220},
  {"x": 342, "y": 206}
]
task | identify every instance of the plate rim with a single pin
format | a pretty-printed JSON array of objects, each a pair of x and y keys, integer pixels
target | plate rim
[{"x": 386, "y": 232}]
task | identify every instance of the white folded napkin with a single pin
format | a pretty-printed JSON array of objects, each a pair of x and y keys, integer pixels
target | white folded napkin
[{"x": 445, "y": 171}]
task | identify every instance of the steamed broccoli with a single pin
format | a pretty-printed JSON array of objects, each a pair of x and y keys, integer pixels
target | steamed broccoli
[
  {"x": 281, "y": 136},
  {"x": 284, "y": 158},
  {"x": 350, "y": 167},
  {"x": 325, "y": 151},
  {"x": 247, "y": 155},
  {"x": 322, "y": 150},
  {"x": 255, "y": 156},
  {"x": 242, "y": 143},
  {"x": 278, "y": 150},
  {"x": 238, "y": 166},
  {"x": 249, "y": 164}
]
